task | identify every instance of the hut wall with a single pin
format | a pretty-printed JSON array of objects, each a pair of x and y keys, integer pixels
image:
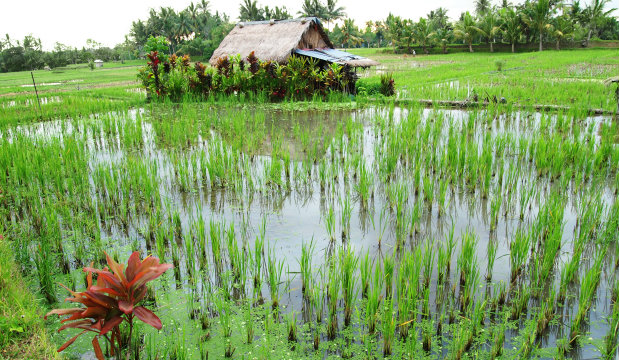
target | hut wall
[{"x": 312, "y": 39}]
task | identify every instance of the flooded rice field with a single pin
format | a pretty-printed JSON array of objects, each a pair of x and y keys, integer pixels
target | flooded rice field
[{"x": 405, "y": 233}]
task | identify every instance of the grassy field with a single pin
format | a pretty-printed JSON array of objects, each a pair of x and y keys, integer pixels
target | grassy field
[
  {"x": 356, "y": 230},
  {"x": 567, "y": 78},
  {"x": 22, "y": 332},
  {"x": 571, "y": 78}
]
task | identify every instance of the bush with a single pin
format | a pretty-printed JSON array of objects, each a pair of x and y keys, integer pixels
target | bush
[
  {"x": 368, "y": 86},
  {"x": 387, "y": 84},
  {"x": 301, "y": 78},
  {"x": 499, "y": 65}
]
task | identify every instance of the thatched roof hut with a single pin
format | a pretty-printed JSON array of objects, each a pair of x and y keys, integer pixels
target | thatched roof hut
[{"x": 278, "y": 40}]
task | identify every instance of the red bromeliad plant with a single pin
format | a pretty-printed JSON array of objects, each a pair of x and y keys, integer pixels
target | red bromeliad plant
[{"x": 111, "y": 301}]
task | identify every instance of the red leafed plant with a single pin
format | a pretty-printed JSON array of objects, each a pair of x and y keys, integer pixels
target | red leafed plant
[{"x": 111, "y": 301}]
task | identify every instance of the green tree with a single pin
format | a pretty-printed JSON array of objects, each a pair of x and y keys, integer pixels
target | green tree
[
  {"x": 466, "y": 30},
  {"x": 184, "y": 27},
  {"x": 424, "y": 34},
  {"x": 277, "y": 13},
  {"x": 512, "y": 26},
  {"x": 250, "y": 11},
  {"x": 537, "y": 17},
  {"x": 482, "y": 7},
  {"x": 594, "y": 15},
  {"x": 491, "y": 26},
  {"x": 439, "y": 18},
  {"x": 333, "y": 12},
  {"x": 313, "y": 8},
  {"x": 443, "y": 36},
  {"x": 350, "y": 36},
  {"x": 562, "y": 27}
]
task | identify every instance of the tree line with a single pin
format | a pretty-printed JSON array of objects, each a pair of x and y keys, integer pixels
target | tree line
[
  {"x": 197, "y": 30},
  {"x": 532, "y": 22}
]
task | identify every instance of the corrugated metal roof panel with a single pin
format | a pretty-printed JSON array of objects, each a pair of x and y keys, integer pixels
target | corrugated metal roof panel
[{"x": 336, "y": 56}]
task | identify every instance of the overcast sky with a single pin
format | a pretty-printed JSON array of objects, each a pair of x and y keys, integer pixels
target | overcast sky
[{"x": 71, "y": 22}]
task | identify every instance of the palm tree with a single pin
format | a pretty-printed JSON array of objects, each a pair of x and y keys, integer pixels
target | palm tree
[
  {"x": 350, "y": 34},
  {"x": 277, "y": 13},
  {"x": 169, "y": 28},
  {"x": 443, "y": 36},
  {"x": 491, "y": 27},
  {"x": 424, "y": 34},
  {"x": 184, "y": 27},
  {"x": 505, "y": 4},
  {"x": 407, "y": 34},
  {"x": 249, "y": 11},
  {"x": 512, "y": 26},
  {"x": 466, "y": 29},
  {"x": 204, "y": 5},
  {"x": 562, "y": 27},
  {"x": 313, "y": 8},
  {"x": 538, "y": 18},
  {"x": 594, "y": 13},
  {"x": 379, "y": 31},
  {"x": 333, "y": 12},
  {"x": 439, "y": 18},
  {"x": 192, "y": 10},
  {"x": 482, "y": 6}
]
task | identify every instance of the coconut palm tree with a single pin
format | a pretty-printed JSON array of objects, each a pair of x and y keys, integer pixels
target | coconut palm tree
[
  {"x": 537, "y": 16},
  {"x": 333, "y": 12},
  {"x": 482, "y": 6},
  {"x": 184, "y": 28},
  {"x": 350, "y": 34},
  {"x": 490, "y": 24},
  {"x": 312, "y": 8},
  {"x": 424, "y": 34},
  {"x": 593, "y": 14},
  {"x": 562, "y": 27},
  {"x": 192, "y": 11},
  {"x": 407, "y": 34},
  {"x": 443, "y": 37},
  {"x": 466, "y": 29},
  {"x": 277, "y": 13},
  {"x": 505, "y": 4},
  {"x": 204, "y": 5},
  {"x": 250, "y": 11},
  {"x": 169, "y": 27},
  {"x": 439, "y": 18},
  {"x": 512, "y": 26}
]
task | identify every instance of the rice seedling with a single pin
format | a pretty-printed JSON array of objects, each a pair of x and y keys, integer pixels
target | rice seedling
[
  {"x": 305, "y": 263},
  {"x": 291, "y": 325},
  {"x": 348, "y": 266},
  {"x": 333, "y": 290},
  {"x": 346, "y": 210},
  {"x": 365, "y": 270},
  {"x": 330, "y": 223},
  {"x": 274, "y": 270},
  {"x": 388, "y": 323},
  {"x": 519, "y": 249}
]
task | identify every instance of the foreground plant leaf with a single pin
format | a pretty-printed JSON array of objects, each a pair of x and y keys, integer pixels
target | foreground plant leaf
[{"x": 112, "y": 301}]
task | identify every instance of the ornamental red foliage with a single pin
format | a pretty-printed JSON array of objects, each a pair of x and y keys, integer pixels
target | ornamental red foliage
[{"x": 112, "y": 300}]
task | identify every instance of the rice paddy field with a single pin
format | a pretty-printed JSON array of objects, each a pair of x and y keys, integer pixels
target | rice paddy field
[{"x": 314, "y": 230}]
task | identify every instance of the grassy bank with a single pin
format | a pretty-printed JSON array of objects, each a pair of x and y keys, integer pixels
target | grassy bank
[{"x": 22, "y": 333}]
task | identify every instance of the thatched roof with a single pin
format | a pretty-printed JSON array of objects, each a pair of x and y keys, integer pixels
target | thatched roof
[{"x": 270, "y": 40}]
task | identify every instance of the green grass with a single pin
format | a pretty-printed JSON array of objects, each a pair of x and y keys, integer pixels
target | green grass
[
  {"x": 571, "y": 78},
  {"x": 22, "y": 333}
]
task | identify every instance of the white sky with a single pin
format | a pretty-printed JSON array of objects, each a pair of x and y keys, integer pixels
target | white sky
[{"x": 71, "y": 22}]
